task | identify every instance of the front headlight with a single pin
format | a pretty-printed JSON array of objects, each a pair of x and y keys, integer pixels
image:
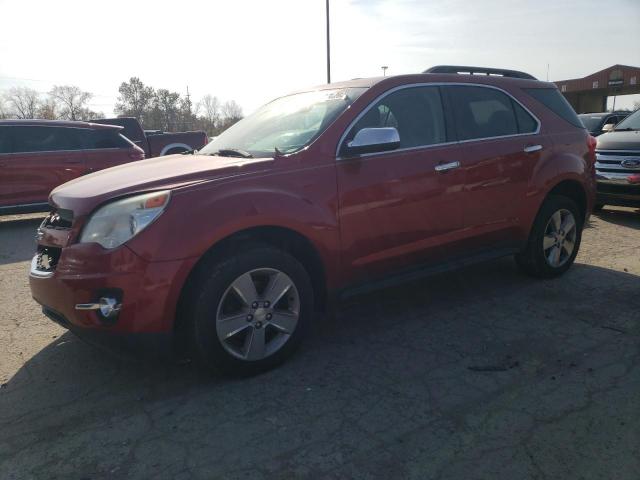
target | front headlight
[{"x": 119, "y": 221}]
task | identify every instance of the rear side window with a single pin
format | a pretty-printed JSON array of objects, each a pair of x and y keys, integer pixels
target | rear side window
[
  {"x": 526, "y": 123},
  {"x": 43, "y": 139},
  {"x": 105, "y": 138},
  {"x": 555, "y": 101},
  {"x": 481, "y": 112},
  {"x": 415, "y": 112}
]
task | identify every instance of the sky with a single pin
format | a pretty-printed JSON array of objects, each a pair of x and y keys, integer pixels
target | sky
[{"x": 252, "y": 51}]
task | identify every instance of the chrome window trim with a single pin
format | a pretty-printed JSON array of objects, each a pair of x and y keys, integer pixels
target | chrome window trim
[{"x": 456, "y": 142}]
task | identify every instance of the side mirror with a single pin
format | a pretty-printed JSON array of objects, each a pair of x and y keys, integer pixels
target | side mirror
[
  {"x": 372, "y": 140},
  {"x": 608, "y": 127}
]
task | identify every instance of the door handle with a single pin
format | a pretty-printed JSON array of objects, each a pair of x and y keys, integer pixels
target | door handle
[
  {"x": 532, "y": 148},
  {"x": 443, "y": 167}
]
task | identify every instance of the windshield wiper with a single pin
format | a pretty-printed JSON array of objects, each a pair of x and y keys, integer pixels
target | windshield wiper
[
  {"x": 232, "y": 152},
  {"x": 627, "y": 129}
]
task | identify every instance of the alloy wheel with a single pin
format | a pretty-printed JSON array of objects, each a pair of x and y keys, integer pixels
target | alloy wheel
[
  {"x": 559, "y": 240},
  {"x": 257, "y": 314}
]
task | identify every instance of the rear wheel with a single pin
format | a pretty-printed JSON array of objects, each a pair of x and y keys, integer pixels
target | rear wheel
[
  {"x": 250, "y": 312},
  {"x": 554, "y": 240}
]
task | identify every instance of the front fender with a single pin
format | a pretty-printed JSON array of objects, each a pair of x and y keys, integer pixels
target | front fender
[{"x": 200, "y": 216}]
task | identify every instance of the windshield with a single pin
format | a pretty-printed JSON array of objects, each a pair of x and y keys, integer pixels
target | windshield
[
  {"x": 632, "y": 122},
  {"x": 591, "y": 123},
  {"x": 288, "y": 123}
]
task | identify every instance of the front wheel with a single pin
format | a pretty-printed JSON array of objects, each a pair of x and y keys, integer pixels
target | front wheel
[
  {"x": 554, "y": 240},
  {"x": 250, "y": 311}
]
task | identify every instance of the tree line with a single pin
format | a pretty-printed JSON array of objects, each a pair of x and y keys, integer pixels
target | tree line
[{"x": 155, "y": 109}]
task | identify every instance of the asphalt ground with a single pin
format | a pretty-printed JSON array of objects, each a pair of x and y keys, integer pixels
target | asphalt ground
[{"x": 481, "y": 373}]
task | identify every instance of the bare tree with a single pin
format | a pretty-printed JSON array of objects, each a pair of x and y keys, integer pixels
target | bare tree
[
  {"x": 208, "y": 108},
  {"x": 4, "y": 110},
  {"x": 23, "y": 102},
  {"x": 231, "y": 111},
  {"x": 48, "y": 109},
  {"x": 72, "y": 101}
]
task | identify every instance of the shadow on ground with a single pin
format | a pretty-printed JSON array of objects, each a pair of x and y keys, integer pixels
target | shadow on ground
[
  {"x": 14, "y": 231},
  {"x": 482, "y": 373},
  {"x": 623, "y": 217}
]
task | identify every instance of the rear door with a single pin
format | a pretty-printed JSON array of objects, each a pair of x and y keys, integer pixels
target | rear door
[
  {"x": 501, "y": 149},
  {"x": 106, "y": 147},
  {"x": 397, "y": 208},
  {"x": 41, "y": 158}
]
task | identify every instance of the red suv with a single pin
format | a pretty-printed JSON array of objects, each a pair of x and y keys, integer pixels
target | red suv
[
  {"x": 321, "y": 193},
  {"x": 38, "y": 155}
]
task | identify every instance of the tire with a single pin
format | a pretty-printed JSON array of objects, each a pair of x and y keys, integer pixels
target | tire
[
  {"x": 224, "y": 306},
  {"x": 598, "y": 207},
  {"x": 547, "y": 254}
]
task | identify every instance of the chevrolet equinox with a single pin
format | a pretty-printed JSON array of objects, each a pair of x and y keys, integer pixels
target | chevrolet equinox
[{"x": 228, "y": 252}]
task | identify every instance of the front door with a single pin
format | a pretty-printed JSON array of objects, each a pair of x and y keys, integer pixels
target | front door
[{"x": 398, "y": 209}]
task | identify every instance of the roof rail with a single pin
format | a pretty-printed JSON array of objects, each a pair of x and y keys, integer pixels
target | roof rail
[{"x": 479, "y": 71}]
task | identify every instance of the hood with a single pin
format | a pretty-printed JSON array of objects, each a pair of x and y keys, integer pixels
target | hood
[
  {"x": 83, "y": 194},
  {"x": 619, "y": 141}
]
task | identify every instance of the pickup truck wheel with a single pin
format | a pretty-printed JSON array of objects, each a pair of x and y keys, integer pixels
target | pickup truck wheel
[
  {"x": 250, "y": 311},
  {"x": 554, "y": 240}
]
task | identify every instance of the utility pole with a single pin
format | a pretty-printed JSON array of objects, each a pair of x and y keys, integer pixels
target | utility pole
[
  {"x": 328, "y": 47},
  {"x": 384, "y": 70}
]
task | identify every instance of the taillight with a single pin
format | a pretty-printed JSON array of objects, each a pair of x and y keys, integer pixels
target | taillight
[
  {"x": 591, "y": 145},
  {"x": 136, "y": 154},
  {"x": 635, "y": 178}
]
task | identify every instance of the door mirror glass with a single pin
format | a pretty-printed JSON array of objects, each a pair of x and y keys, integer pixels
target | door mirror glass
[
  {"x": 608, "y": 127},
  {"x": 371, "y": 140}
]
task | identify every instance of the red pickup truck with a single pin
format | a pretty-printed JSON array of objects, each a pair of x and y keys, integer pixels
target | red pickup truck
[{"x": 156, "y": 143}]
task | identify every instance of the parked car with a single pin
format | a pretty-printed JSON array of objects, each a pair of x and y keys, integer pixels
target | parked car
[
  {"x": 156, "y": 143},
  {"x": 618, "y": 164},
  {"x": 599, "y": 123},
  {"x": 320, "y": 194},
  {"x": 38, "y": 155}
]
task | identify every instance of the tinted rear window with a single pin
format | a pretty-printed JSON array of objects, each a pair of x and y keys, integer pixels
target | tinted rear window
[
  {"x": 555, "y": 101},
  {"x": 106, "y": 138},
  {"x": 43, "y": 139}
]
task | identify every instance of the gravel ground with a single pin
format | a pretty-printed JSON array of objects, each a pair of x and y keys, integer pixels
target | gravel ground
[{"x": 477, "y": 374}]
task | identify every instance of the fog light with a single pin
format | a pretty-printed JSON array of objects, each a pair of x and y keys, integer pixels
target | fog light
[{"x": 108, "y": 306}]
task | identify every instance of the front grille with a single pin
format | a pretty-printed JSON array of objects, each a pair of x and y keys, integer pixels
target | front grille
[
  {"x": 47, "y": 258},
  {"x": 60, "y": 219},
  {"x": 620, "y": 164}
]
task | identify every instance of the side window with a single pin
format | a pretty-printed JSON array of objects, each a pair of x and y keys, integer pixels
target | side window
[
  {"x": 44, "y": 139},
  {"x": 613, "y": 120},
  {"x": 526, "y": 123},
  {"x": 416, "y": 113},
  {"x": 105, "y": 138},
  {"x": 482, "y": 112}
]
